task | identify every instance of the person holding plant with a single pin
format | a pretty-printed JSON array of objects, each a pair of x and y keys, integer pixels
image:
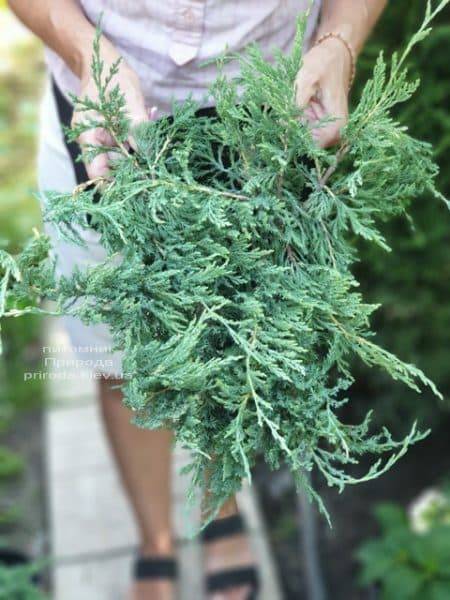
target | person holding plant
[{"x": 163, "y": 47}]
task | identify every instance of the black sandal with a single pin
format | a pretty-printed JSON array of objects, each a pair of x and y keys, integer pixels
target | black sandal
[
  {"x": 155, "y": 567},
  {"x": 233, "y": 577}
]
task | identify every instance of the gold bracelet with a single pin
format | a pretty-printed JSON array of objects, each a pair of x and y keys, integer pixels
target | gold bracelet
[{"x": 339, "y": 36}]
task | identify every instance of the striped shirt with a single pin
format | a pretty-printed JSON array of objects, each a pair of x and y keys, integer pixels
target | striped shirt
[{"x": 166, "y": 41}]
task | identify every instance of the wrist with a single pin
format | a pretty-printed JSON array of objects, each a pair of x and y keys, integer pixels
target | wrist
[
  {"x": 353, "y": 31},
  {"x": 341, "y": 50}
]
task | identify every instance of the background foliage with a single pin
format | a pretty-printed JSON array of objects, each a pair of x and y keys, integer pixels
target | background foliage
[
  {"x": 412, "y": 282},
  {"x": 19, "y": 212},
  {"x": 409, "y": 564},
  {"x": 21, "y": 71}
]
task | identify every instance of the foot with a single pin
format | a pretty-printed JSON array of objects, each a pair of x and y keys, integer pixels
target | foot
[
  {"x": 229, "y": 553},
  {"x": 153, "y": 589}
]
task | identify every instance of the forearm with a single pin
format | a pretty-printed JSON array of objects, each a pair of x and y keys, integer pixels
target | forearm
[
  {"x": 353, "y": 19},
  {"x": 63, "y": 27}
]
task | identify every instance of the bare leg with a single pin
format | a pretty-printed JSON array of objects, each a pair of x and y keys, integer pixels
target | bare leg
[
  {"x": 229, "y": 553},
  {"x": 143, "y": 459}
]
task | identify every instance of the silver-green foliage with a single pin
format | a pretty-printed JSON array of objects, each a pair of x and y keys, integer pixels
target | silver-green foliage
[{"x": 228, "y": 283}]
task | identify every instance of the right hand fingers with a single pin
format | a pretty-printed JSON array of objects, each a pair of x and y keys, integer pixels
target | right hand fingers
[{"x": 99, "y": 166}]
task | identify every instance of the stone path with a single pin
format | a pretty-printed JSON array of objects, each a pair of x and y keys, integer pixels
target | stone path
[{"x": 93, "y": 536}]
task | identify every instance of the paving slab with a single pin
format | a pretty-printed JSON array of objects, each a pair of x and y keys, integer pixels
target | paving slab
[
  {"x": 99, "y": 578},
  {"x": 93, "y": 534}
]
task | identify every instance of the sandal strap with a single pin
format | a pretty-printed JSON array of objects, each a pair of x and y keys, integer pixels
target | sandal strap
[
  {"x": 155, "y": 568},
  {"x": 221, "y": 528},
  {"x": 237, "y": 577}
]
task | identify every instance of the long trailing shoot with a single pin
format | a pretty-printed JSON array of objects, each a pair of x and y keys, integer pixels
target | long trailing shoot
[{"x": 228, "y": 284}]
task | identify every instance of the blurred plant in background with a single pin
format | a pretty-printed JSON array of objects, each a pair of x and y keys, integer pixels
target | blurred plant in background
[
  {"x": 18, "y": 582},
  {"x": 11, "y": 465},
  {"x": 21, "y": 70},
  {"x": 411, "y": 558},
  {"x": 430, "y": 509},
  {"x": 412, "y": 282}
]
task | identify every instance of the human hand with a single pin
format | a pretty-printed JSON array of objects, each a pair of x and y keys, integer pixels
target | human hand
[
  {"x": 130, "y": 87},
  {"x": 321, "y": 88}
]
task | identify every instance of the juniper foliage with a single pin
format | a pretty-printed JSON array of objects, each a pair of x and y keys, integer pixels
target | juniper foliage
[
  {"x": 416, "y": 326},
  {"x": 228, "y": 283}
]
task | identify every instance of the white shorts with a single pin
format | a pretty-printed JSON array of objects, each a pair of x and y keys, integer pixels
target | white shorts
[{"x": 91, "y": 344}]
